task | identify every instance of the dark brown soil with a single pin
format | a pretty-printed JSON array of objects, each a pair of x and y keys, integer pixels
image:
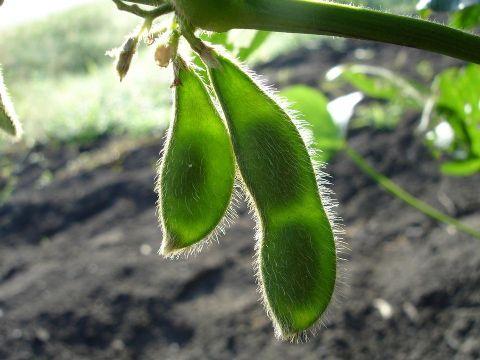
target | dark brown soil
[{"x": 80, "y": 278}]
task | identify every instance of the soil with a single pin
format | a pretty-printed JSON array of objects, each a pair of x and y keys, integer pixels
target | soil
[{"x": 80, "y": 277}]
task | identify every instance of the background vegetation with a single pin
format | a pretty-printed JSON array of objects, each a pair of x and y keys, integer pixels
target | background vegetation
[{"x": 65, "y": 88}]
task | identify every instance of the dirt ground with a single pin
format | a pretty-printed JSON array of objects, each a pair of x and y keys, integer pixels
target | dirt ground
[{"x": 80, "y": 278}]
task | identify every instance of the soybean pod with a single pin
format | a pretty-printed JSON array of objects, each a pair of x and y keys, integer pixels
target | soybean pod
[
  {"x": 297, "y": 251},
  {"x": 197, "y": 171}
]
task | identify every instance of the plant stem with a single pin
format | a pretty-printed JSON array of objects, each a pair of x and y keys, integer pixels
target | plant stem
[
  {"x": 147, "y": 2},
  {"x": 147, "y": 14},
  {"x": 406, "y": 197},
  {"x": 329, "y": 18}
]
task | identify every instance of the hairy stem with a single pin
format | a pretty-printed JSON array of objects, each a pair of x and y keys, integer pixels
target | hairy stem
[
  {"x": 329, "y": 18},
  {"x": 406, "y": 197}
]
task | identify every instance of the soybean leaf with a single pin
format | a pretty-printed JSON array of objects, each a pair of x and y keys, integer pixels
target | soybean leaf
[
  {"x": 445, "y": 5},
  {"x": 312, "y": 105},
  {"x": 465, "y": 13},
  {"x": 467, "y": 18},
  {"x": 379, "y": 115},
  {"x": 459, "y": 103},
  {"x": 255, "y": 43},
  {"x": 461, "y": 168},
  {"x": 380, "y": 83},
  {"x": 218, "y": 39}
]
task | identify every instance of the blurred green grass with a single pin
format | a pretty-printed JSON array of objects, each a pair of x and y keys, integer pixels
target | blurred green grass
[
  {"x": 66, "y": 89},
  {"x": 70, "y": 41}
]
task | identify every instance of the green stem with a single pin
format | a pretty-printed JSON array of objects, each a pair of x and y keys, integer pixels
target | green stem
[
  {"x": 147, "y": 2},
  {"x": 401, "y": 194},
  {"x": 329, "y": 18},
  {"x": 162, "y": 9}
]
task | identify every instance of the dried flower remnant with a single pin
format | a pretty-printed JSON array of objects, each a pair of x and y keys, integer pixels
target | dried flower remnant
[{"x": 124, "y": 55}]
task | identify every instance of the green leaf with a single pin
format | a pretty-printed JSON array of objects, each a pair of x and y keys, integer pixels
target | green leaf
[
  {"x": 459, "y": 103},
  {"x": 312, "y": 105},
  {"x": 218, "y": 39},
  {"x": 255, "y": 43},
  {"x": 378, "y": 115},
  {"x": 445, "y": 5},
  {"x": 461, "y": 168},
  {"x": 467, "y": 18},
  {"x": 380, "y": 83},
  {"x": 465, "y": 13}
]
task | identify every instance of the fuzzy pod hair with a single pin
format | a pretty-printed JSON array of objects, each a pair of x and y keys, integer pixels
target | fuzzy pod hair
[
  {"x": 196, "y": 176},
  {"x": 297, "y": 241},
  {"x": 9, "y": 122}
]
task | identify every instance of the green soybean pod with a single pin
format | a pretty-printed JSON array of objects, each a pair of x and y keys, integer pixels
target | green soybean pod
[
  {"x": 297, "y": 251},
  {"x": 197, "y": 171},
  {"x": 9, "y": 122}
]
